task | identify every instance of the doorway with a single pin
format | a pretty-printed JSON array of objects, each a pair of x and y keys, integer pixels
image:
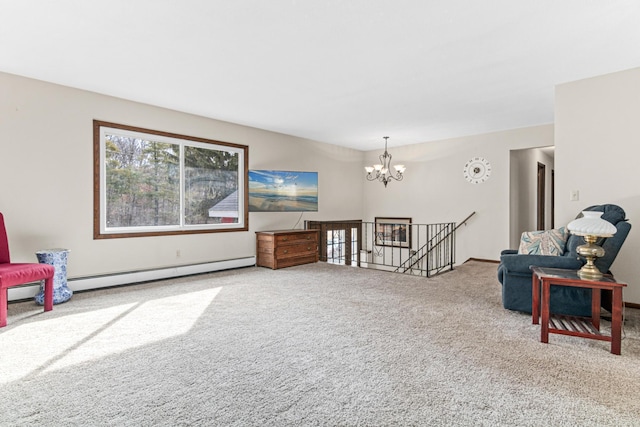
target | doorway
[
  {"x": 339, "y": 241},
  {"x": 531, "y": 181},
  {"x": 541, "y": 211}
]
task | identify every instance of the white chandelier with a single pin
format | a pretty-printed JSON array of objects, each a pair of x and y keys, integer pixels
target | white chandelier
[{"x": 382, "y": 172}]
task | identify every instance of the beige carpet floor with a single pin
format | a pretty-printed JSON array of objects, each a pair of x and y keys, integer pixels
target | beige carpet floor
[{"x": 316, "y": 345}]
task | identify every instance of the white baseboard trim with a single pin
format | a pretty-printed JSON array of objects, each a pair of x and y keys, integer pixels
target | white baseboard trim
[{"x": 108, "y": 280}]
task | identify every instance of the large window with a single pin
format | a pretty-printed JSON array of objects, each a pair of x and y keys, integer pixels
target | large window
[{"x": 150, "y": 183}]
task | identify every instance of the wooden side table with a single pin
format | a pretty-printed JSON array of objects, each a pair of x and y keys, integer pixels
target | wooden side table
[{"x": 543, "y": 278}]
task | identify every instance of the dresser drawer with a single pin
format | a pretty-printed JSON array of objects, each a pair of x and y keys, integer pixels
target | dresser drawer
[
  {"x": 298, "y": 249},
  {"x": 290, "y": 262},
  {"x": 292, "y": 239}
]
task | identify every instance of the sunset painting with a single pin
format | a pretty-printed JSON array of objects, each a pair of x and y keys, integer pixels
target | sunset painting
[{"x": 283, "y": 191}]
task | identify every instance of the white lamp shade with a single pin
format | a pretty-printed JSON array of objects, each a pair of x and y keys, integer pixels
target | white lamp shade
[
  {"x": 400, "y": 168},
  {"x": 377, "y": 167},
  {"x": 369, "y": 169},
  {"x": 591, "y": 225}
]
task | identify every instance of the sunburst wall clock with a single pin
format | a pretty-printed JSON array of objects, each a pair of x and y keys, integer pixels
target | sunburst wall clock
[{"x": 477, "y": 170}]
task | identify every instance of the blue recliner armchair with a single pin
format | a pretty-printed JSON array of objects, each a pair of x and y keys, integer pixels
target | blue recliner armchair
[{"x": 515, "y": 276}]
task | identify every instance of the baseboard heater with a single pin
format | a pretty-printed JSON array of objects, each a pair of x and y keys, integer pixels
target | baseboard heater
[{"x": 130, "y": 277}]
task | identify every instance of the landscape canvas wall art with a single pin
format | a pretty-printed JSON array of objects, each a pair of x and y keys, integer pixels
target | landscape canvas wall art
[{"x": 283, "y": 191}]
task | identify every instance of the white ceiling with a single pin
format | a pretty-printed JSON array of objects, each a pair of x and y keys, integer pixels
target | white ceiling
[{"x": 346, "y": 72}]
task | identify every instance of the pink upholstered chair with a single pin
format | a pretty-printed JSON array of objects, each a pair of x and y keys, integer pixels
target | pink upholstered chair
[{"x": 12, "y": 274}]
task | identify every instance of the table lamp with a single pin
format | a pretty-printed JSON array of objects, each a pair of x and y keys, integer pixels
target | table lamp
[{"x": 591, "y": 227}]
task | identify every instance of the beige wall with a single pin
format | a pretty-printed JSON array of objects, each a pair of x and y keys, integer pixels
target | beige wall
[
  {"x": 46, "y": 172},
  {"x": 434, "y": 189},
  {"x": 46, "y": 135},
  {"x": 597, "y": 136}
]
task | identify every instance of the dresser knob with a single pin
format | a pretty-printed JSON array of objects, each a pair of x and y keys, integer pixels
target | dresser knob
[{"x": 286, "y": 251}]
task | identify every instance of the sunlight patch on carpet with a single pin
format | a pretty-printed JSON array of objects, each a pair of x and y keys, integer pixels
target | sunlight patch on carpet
[{"x": 95, "y": 334}]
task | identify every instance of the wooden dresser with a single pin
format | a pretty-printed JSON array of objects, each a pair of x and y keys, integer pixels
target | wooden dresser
[{"x": 285, "y": 248}]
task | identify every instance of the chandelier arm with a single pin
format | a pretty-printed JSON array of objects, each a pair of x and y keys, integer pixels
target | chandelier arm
[{"x": 398, "y": 177}]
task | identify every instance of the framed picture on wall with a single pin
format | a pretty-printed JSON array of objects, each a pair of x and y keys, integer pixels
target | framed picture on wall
[
  {"x": 283, "y": 191},
  {"x": 393, "y": 232}
]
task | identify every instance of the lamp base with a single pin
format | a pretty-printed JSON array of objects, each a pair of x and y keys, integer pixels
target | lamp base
[
  {"x": 590, "y": 251},
  {"x": 589, "y": 273}
]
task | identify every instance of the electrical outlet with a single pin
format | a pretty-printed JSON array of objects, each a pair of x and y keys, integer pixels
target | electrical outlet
[
  {"x": 178, "y": 253},
  {"x": 574, "y": 196}
]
